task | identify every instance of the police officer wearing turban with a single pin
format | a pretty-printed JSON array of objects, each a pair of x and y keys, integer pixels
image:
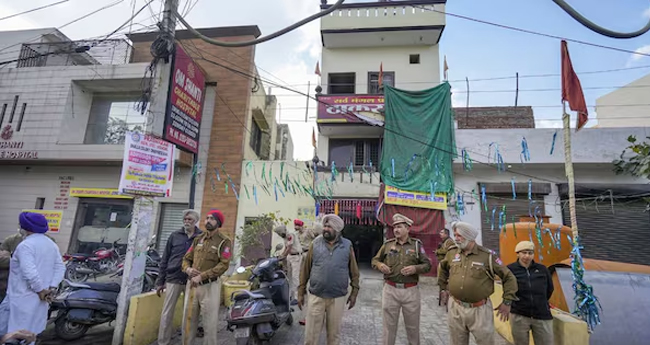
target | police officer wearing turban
[
  {"x": 401, "y": 259},
  {"x": 329, "y": 266},
  {"x": 467, "y": 275}
]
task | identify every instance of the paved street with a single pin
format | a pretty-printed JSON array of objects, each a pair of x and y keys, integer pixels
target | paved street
[{"x": 362, "y": 324}]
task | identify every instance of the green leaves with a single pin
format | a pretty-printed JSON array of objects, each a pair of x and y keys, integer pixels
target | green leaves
[{"x": 635, "y": 159}]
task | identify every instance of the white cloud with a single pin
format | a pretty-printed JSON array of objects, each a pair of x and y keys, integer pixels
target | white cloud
[
  {"x": 457, "y": 97},
  {"x": 636, "y": 57}
]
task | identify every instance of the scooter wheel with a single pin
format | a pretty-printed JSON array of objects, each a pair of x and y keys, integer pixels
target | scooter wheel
[
  {"x": 289, "y": 321},
  {"x": 67, "y": 330}
]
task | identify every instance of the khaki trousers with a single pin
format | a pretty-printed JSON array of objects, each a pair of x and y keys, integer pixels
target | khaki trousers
[
  {"x": 522, "y": 325},
  {"x": 205, "y": 302},
  {"x": 166, "y": 329},
  {"x": 294, "y": 262},
  {"x": 408, "y": 301},
  {"x": 462, "y": 321},
  {"x": 328, "y": 311}
]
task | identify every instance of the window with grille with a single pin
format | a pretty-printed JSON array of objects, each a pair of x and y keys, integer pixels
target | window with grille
[
  {"x": 388, "y": 78},
  {"x": 341, "y": 83},
  {"x": 256, "y": 138}
]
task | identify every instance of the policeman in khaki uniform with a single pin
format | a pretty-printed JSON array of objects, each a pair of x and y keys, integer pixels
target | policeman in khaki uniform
[
  {"x": 293, "y": 254},
  {"x": 206, "y": 260},
  {"x": 467, "y": 275},
  {"x": 401, "y": 260}
]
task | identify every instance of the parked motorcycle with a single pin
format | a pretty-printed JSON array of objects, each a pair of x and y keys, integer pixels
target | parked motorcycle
[
  {"x": 151, "y": 269},
  {"x": 79, "y": 267},
  {"x": 256, "y": 315},
  {"x": 80, "y": 306}
]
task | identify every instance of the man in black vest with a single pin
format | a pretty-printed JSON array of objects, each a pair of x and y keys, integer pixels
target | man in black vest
[{"x": 330, "y": 265}]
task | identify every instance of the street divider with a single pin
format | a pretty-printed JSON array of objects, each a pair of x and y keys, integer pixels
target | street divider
[{"x": 567, "y": 329}]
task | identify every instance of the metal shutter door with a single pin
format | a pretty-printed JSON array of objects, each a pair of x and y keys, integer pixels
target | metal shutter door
[
  {"x": 514, "y": 209},
  {"x": 171, "y": 219},
  {"x": 620, "y": 236}
]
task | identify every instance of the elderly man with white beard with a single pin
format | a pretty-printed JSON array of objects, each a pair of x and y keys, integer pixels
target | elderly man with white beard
[{"x": 467, "y": 275}]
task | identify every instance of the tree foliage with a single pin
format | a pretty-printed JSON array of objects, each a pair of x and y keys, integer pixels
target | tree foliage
[
  {"x": 116, "y": 131},
  {"x": 251, "y": 233},
  {"x": 635, "y": 159}
]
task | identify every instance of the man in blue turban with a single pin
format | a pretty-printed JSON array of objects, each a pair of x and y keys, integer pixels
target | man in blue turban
[{"x": 36, "y": 268}]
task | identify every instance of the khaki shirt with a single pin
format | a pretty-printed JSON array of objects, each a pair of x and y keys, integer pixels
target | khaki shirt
[
  {"x": 397, "y": 256},
  {"x": 305, "y": 271},
  {"x": 210, "y": 253},
  {"x": 444, "y": 248},
  {"x": 468, "y": 277},
  {"x": 306, "y": 236}
]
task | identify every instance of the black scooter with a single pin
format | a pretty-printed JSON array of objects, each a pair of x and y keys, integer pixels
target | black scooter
[
  {"x": 80, "y": 306},
  {"x": 256, "y": 315}
]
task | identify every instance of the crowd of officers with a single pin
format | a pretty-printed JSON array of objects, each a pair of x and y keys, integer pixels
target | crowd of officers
[{"x": 321, "y": 264}]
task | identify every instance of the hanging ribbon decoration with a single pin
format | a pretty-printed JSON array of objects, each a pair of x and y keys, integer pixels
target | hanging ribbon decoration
[
  {"x": 247, "y": 195},
  {"x": 317, "y": 210},
  {"x": 502, "y": 218},
  {"x": 587, "y": 305},
  {"x": 264, "y": 173},
  {"x": 282, "y": 169},
  {"x": 275, "y": 189},
  {"x": 467, "y": 161},
  {"x": 553, "y": 142},
  {"x": 392, "y": 164},
  {"x": 216, "y": 172},
  {"x": 494, "y": 211},
  {"x": 351, "y": 172},
  {"x": 433, "y": 190},
  {"x": 249, "y": 166},
  {"x": 514, "y": 192},
  {"x": 334, "y": 171},
  {"x": 525, "y": 153},
  {"x": 460, "y": 204},
  {"x": 498, "y": 158},
  {"x": 484, "y": 198},
  {"x": 408, "y": 166},
  {"x": 255, "y": 194},
  {"x": 530, "y": 189}
]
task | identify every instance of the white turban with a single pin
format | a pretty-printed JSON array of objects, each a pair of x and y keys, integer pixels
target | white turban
[
  {"x": 334, "y": 221},
  {"x": 466, "y": 230}
]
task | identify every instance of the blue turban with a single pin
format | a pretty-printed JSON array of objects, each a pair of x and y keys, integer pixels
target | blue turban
[{"x": 33, "y": 222}]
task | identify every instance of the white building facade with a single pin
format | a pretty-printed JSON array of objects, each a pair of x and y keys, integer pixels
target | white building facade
[{"x": 625, "y": 107}]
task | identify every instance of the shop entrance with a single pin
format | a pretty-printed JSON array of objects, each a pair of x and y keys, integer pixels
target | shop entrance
[
  {"x": 100, "y": 222},
  {"x": 366, "y": 239}
]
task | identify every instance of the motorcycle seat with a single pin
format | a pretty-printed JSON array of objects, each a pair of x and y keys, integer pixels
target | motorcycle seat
[
  {"x": 256, "y": 294},
  {"x": 112, "y": 287}
]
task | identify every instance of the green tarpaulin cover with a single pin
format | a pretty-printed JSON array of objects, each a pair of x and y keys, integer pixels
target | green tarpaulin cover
[{"x": 419, "y": 143}]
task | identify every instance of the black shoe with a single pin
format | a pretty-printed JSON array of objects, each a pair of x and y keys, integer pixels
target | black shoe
[{"x": 200, "y": 332}]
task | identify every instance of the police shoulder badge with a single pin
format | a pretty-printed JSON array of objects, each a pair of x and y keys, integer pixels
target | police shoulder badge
[{"x": 226, "y": 253}]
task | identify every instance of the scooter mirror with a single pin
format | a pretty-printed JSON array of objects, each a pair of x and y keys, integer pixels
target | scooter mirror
[
  {"x": 279, "y": 247},
  {"x": 241, "y": 269}
]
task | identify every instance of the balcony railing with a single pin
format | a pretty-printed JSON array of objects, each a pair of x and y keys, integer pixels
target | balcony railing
[{"x": 75, "y": 53}]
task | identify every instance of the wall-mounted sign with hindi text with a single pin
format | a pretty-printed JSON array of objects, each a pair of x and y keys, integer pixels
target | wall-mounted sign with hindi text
[{"x": 394, "y": 196}]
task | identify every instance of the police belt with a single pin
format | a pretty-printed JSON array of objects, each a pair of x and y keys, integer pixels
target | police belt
[
  {"x": 470, "y": 305},
  {"x": 401, "y": 285},
  {"x": 295, "y": 253}
]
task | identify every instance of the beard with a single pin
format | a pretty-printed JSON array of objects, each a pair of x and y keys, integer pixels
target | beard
[
  {"x": 463, "y": 245},
  {"x": 188, "y": 228},
  {"x": 210, "y": 227},
  {"x": 329, "y": 235}
]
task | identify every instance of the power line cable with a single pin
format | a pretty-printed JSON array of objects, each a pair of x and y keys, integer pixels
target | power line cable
[
  {"x": 531, "y": 32},
  {"x": 261, "y": 39},
  {"x": 66, "y": 24},
  {"x": 34, "y": 10},
  {"x": 597, "y": 28}
]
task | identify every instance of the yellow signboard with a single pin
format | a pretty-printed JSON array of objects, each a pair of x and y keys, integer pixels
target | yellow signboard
[
  {"x": 97, "y": 193},
  {"x": 53, "y": 218},
  {"x": 394, "y": 196}
]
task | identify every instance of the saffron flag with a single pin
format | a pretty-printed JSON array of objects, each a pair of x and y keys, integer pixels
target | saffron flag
[
  {"x": 317, "y": 70},
  {"x": 381, "y": 74},
  {"x": 572, "y": 90},
  {"x": 313, "y": 137}
]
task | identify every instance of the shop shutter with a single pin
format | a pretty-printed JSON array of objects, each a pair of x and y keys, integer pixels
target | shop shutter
[
  {"x": 514, "y": 209},
  {"x": 622, "y": 235},
  {"x": 171, "y": 219}
]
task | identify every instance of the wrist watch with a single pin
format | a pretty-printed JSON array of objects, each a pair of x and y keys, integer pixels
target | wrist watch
[{"x": 507, "y": 302}]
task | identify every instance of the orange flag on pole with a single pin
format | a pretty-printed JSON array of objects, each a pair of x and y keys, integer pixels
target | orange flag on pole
[
  {"x": 572, "y": 90},
  {"x": 381, "y": 74},
  {"x": 313, "y": 138},
  {"x": 317, "y": 70}
]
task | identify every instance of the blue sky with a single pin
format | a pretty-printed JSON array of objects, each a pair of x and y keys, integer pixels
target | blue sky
[
  {"x": 477, "y": 50},
  {"x": 473, "y": 50}
]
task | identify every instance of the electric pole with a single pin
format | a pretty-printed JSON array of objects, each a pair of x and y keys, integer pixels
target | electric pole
[{"x": 143, "y": 208}]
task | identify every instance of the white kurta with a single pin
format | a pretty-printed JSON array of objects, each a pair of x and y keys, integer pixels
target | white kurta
[{"x": 35, "y": 265}]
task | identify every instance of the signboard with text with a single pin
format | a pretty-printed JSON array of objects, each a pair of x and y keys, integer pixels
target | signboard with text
[
  {"x": 148, "y": 166},
  {"x": 394, "y": 196},
  {"x": 183, "y": 116},
  {"x": 53, "y": 218},
  {"x": 351, "y": 109},
  {"x": 97, "y": 193}
]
